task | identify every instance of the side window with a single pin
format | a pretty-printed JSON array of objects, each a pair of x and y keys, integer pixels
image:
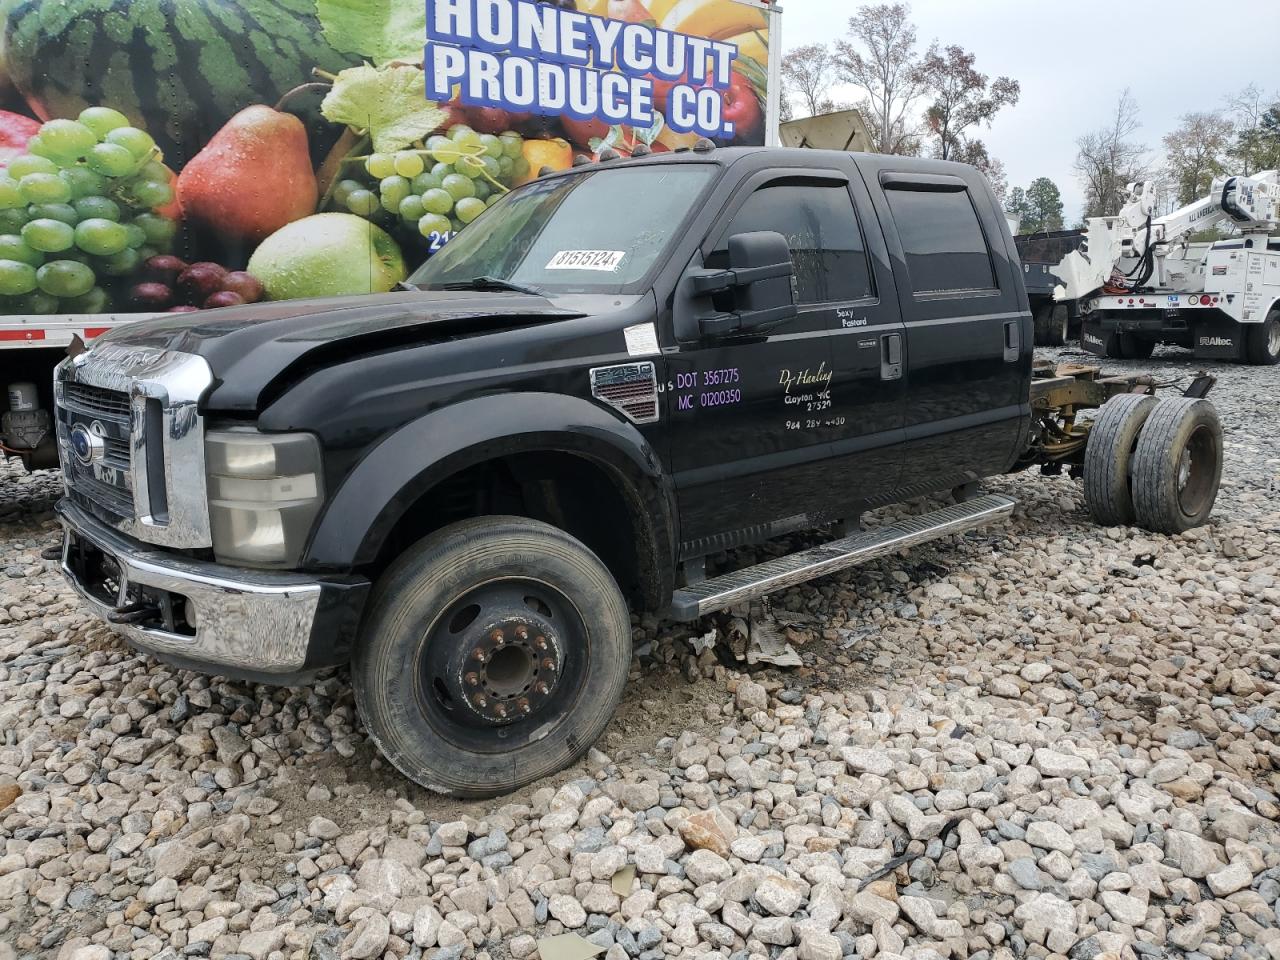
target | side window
[
  {"x": 942, "y": 239},
  {"x": 822, "y": 230}
]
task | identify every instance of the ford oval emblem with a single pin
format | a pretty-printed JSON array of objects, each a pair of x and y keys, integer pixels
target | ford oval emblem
[{"x": 87, "y": 443}]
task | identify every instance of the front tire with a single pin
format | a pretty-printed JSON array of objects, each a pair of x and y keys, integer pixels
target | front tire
[
  {"x": 497, "y": 651},
  {"x": 1177, "y": 465},
  {"x": 1262, "y": 342}
]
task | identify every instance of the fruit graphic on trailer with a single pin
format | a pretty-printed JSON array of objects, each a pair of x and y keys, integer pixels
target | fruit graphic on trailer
[
  {"x": 556, "y": 154},
  {"x": 327, "y": 255},
  {"x": 252, "y": 178}
]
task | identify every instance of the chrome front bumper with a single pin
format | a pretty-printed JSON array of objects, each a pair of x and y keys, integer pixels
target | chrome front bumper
[{"x": 250, "y": 622}]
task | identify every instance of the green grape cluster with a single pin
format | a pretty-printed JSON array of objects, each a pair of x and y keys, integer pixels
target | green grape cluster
[
  {"x": 440, "y": 189},
  {"x": 78, "y": 211}
]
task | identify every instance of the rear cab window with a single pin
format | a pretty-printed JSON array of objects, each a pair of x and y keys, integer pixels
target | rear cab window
[{"x": 946, "y": 250}]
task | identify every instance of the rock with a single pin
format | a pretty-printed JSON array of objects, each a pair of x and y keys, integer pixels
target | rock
[
  {"x": 866, "y": 908},
  {"x": 1194, "y": 856},
  {"x": 1047, "y": 919},
  {"x": 426, "y": 926},
  {"x": 260, "y": 944},
  {"x": 1050, "y": 836},
  {"x": 9, "y": 792},
  {"x": 368, "y": 939},
  {"x": 703, "y": 866},
  {"x": 1050, "y": 763},
  {"x": 568, "y": 911},
  {"x": 1229, "y": 879},
  {"x": 860, "y": 760},
  {"x": 780, "y": 896},
  {"x": 1035, "y": 672},
  {"x": 323, "y": 829},
  {"x": 750, "y": 696},
  {"x": 709, "y": 830},
  {"x": 815, "y": 945},
  {"x": 918, "y": 825},
  {"x": 1126, "y": 909},
  {"x": 173, "y": 859}
]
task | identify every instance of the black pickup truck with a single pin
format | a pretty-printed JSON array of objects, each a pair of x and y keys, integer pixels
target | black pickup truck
[{"x": 462, "y": 488}]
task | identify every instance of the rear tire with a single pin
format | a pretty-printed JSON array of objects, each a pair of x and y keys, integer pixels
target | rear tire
[
  {"x": 1050, "y": 324},
  {"x": 1108, "y": 455},
  {"x": 1177, "y": 465},
  {"x": 496, "y": 653},
  {"x": 1125, "y": 346},
  {"x": 1262, "y": 342}
]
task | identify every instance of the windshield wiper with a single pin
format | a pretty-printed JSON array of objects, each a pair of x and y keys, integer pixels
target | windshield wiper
[
  {"x": 405, "y": 286},
  {"x": 492, "y": 283}
]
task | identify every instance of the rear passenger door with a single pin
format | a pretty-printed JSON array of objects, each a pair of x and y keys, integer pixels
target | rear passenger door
[{"x": 968, "y": 329}]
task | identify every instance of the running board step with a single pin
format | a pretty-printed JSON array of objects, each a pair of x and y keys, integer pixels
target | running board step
[{"x": 708, "y": 596}]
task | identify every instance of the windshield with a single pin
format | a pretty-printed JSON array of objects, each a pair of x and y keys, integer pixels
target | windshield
[{"x": 600, "y": 231}]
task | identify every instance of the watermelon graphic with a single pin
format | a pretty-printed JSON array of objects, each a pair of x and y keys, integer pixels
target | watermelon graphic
[{"x": 177, "y": 68}]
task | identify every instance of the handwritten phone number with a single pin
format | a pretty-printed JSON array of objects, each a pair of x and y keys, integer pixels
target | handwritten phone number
[{"x": 814, "y": 424}]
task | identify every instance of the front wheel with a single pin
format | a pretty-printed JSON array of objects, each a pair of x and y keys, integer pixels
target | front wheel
[
  {"x": 495, "y": 655},
  {"x": 1262, "y": 342}
]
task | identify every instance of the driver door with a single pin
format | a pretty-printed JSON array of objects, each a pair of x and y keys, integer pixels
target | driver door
[{"x": 752, "y": 415}]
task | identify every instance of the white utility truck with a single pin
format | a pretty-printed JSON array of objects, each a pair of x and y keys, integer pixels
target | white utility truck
[{"x": 1139, "y": 282}]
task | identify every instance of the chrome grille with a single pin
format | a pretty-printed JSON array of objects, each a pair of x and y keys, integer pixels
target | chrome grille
[
  {"x": 143, "y": 471},
  {"x": 117, "y": 451},
  {"x": 96, "y": 401},
  {"x": 113, "y": 499}
]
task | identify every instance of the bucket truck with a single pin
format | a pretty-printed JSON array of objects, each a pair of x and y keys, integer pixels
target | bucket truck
[{"x": 1139, "y": 282}]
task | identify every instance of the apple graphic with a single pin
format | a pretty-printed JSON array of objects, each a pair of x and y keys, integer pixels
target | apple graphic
[{"x": 327, "y": 255}]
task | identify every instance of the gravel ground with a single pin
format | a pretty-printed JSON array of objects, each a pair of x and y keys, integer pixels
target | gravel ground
[{"x": 1059, "y": 740}]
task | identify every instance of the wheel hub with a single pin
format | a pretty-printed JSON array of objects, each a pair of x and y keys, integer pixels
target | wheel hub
[{"x": 509, "y": 669}]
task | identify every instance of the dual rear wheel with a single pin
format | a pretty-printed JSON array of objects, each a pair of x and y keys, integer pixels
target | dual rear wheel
[{"x": 1156, "y": 463}]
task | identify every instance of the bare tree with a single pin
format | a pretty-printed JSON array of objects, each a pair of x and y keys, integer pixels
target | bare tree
[
  {"x": 879, "y": 56},
  {"x": 975, "y": 153},
  {"x": 1248, "y": 110},
  {"x": 1197, "y": 152},
  {"x": 807, "y": 75},
  {"x": 1108, "y": 159},
  {"x": 962, "y": 97}
]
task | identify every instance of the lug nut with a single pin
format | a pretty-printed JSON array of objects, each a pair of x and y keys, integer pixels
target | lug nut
[
  {"x": 522, "y": 632},
  {"x": 473, "y": 679},
  {"x": 497, "y": 636},
  {"x": 523, "y": 704},
  {"x": 548, "y": 664},
  {"x": 540, "y": 687},
  {"x": 478, "y": 654},
  {"x": 540, "y": 642},
  {"x": 500, "y": 710},
  {"x": 481, "y": 702}
]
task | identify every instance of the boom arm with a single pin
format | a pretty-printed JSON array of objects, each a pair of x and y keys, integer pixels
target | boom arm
[{"x": 1252, "y": 203}]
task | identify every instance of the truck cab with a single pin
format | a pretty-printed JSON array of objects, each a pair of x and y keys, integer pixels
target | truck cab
[{"x": 463, "y": 488}]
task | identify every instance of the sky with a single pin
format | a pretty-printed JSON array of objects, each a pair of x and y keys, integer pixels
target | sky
[{"x": 1074, "y": 60}]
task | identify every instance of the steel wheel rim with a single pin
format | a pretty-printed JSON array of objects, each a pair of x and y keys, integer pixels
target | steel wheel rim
[
  {"x": 1273, "y": 338},
  {"x": 1196, "y": 468},
  {"x": 501, "y": 663}
]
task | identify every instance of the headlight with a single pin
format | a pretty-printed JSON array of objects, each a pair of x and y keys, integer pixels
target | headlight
[{"x": 265, "y": 490}]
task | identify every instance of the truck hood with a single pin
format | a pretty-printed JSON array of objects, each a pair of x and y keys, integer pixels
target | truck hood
[{"x": 249, "y": 348}]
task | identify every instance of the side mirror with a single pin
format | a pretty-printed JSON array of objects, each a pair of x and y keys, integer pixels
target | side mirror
[{"x": 760, "y": 274}]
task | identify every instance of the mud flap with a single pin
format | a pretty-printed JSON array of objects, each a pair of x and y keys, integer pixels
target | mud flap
[
  {"x": 1092, "y": 338},
  {"x": 1219, "y": 338}
]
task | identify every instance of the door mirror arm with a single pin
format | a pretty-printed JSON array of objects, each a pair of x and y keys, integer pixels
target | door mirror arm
[{"x": 761, "y": 273}]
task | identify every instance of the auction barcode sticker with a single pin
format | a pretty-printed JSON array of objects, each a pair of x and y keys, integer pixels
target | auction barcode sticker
[{"x": 606, "y": 260}]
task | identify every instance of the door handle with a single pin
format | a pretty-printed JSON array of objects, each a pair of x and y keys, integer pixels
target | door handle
[
  {"x": 1012, "y": 340},
  {"x": 891, "y": 356}
]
